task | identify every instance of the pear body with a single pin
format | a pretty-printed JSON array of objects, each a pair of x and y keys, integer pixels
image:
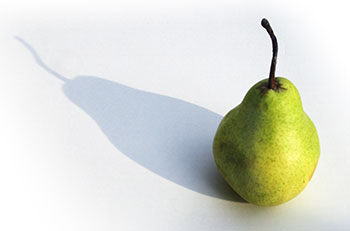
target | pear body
[{"x": 267, "y": 148}]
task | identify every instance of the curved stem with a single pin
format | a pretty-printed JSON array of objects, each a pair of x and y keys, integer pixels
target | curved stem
[{"x": 272, "y": 81}]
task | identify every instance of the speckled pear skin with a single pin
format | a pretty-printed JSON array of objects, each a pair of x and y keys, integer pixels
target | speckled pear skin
[{"x": 267, "y": 148}]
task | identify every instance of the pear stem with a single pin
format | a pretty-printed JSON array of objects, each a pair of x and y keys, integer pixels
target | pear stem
[{"x": 272, "y": 81}]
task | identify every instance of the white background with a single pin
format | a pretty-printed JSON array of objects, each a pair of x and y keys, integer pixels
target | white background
[{"x": 129, "y": 148}]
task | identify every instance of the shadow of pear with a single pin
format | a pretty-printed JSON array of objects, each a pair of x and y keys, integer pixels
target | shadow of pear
[{"x": 168, "y": 136}]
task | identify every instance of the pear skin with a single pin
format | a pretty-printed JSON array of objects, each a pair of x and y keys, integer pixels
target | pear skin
[{"x": 267, "y": 148}]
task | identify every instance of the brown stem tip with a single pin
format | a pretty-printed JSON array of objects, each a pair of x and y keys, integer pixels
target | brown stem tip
[{"x": 272, "y": 81}]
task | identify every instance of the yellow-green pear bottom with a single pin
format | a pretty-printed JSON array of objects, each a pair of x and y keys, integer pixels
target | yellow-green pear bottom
[{"x": 267, "y": 148}]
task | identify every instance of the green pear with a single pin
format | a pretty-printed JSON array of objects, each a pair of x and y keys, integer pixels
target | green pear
[{"x": 267, "y": 148}]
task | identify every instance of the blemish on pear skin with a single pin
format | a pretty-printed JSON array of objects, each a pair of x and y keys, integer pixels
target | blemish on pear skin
[{"x": 264, "y": 87}]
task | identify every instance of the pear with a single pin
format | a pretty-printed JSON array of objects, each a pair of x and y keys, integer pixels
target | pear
[{"x": 267, "y": 148}]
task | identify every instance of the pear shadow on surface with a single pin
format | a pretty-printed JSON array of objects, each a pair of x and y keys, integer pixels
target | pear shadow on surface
[{"x": 168, "y": 136}]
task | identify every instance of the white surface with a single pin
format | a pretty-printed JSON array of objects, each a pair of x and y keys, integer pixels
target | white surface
[{"x": 130, "y": 148}]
